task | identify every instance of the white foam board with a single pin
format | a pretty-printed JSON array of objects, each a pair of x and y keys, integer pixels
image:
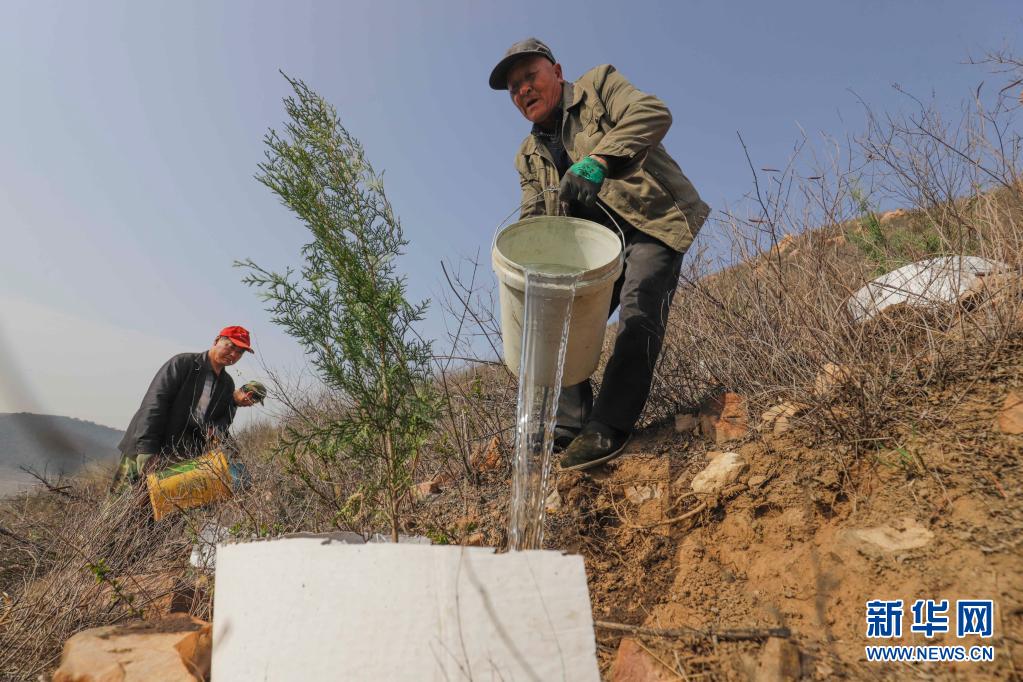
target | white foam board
[
  {"x": 923, "y": 284},
  {"x": 313, "y": 609}
]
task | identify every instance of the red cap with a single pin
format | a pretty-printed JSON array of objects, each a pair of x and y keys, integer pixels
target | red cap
[{"x": 239, "y": 336}]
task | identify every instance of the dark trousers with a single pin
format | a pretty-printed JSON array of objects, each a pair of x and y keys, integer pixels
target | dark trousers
[{"x": 643, "y": 295}]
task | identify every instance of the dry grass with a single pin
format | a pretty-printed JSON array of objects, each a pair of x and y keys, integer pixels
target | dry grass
[
  {"x": 78, "y": 558},
  {"x": 769, "y": 324}
]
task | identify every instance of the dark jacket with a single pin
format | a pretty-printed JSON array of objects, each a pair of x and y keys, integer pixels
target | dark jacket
[
  {"x": 165, "y": 424},
  {"x": 605, "y": 114}
]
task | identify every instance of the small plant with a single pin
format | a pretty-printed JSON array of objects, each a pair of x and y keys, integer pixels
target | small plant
[
  {"x": 886, "y": 252},
  {"x": 99, "y": 569},
  {"x": 347, "y": 308},
  {"x": 101, "y": 572},
  {"x": 438, "y": 536}
]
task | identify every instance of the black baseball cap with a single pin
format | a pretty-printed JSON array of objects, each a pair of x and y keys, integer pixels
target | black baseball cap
[{"x": 523, "y": 48}]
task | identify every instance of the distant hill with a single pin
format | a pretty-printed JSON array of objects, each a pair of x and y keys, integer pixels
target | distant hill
[{"x": 50, "y": 444}]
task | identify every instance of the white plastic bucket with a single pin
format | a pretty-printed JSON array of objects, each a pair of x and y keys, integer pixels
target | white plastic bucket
[{"x": 566, "y": 244}]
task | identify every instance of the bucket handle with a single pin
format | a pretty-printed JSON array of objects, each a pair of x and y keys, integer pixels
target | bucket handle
[{"x": 533, "y": 199}]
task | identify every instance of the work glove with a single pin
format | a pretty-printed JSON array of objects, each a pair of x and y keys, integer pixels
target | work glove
[
  {"x": 582, "y": 182},
  {"x": 129, "y": 471}
]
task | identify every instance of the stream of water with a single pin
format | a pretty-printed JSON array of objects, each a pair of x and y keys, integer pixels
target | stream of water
[{"x": 545, "y": 324}]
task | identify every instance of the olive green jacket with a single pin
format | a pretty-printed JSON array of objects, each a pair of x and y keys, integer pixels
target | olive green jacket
[{"x": 605, "y": 114}]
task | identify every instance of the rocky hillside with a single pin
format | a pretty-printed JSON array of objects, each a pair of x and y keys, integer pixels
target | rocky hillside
[{"x": 724, "y": 528}]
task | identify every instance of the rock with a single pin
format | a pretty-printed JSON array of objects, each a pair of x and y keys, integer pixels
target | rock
[
  {"x": 425, "y": 489},
  {"x": 889, "y": 216},
  {"x": 995, "y": 286},
  {"x": 633, "y": 664},
  {"x": 723, "y": 471},
  {"x": 553, "y": 502},
  {"x": 686, "y": 423},
  {"x": 830, "y": 377},
  {"x": 888, "y": 540},
  {"x": 638, "y": 494},
  {"x": 786, "y": 243},
  {"x": 724, "y": 418},
  {"x": 756, "y": 481},
  {"x": 176, "y": 649},
  {"x": 1010, "y": 419},
  {"x": 443, "y": 480},
  {"x": 778, "y": 419},
  {"x": 488, "y": 458},
  {"x": 779, "y": 661},
  {"x": 477, "y": 539},
  {"x": 781, "y": 426}
]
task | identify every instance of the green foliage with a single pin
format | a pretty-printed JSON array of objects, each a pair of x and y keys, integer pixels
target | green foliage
[
  {"x": 103, "y": 574},
  {"x": 438, "y": 536},
  {"x": 99, "y": 569},
  {"x": 902, "y": 459},
  {"x": 347, "y": 307},
  {"x": 900, "y": 246}
]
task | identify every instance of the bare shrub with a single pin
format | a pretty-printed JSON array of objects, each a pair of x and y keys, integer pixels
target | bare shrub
[
  {"x": 477, "y": 391},
  {"x": 84, "y": 559},
  {"x": 81, "y": 559},
  {"x": 769, "y": 322}
]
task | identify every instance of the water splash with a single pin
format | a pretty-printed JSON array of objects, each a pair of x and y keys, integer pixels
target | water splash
[{"x": 545, "y": 324}]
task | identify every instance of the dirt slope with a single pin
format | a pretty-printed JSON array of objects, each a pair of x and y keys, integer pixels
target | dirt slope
[{"x": 785, "y": 545}]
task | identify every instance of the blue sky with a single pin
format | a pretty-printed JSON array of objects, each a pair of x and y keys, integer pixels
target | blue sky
[{"x": 130, "y": 134}]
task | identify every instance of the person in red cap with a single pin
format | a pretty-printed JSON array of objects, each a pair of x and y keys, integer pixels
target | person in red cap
[{"x": 189, "y": 395}]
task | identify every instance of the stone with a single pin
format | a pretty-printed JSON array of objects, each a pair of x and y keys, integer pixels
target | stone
[
  {"x": 724, "y": 418},
  {"x": 633, "y": 664},
  {"x": 477, "y": 539},
  {"x": 830, "y": 377},
  {"x": 993, "y": 286},
  {"x": 425, "y": 489},
  {"x": 756, "y": 481},
  {"x": 686, "y": 423},
  {"x": 443, "y": 480},
  {"x": 779, "y": 419},
  {"x": 638, "y": 494},
  {"x": 488, "y": 458},
  {"x": 888, "y": 540},
  {"x": 1010, "y": 419},
  {"x": 782, "y": 425},
  {"x": 175, "y": 649},
  {"x": 723, "y": 471},
  {"x": 889, "y": 216},
  {"x": 553, "y": 502},
  {"x": 779, "y": 661},
  {"x": 786, "y": 243}
]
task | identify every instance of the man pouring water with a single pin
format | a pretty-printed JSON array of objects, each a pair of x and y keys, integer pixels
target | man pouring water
[{"x": 598, "y": 140}]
